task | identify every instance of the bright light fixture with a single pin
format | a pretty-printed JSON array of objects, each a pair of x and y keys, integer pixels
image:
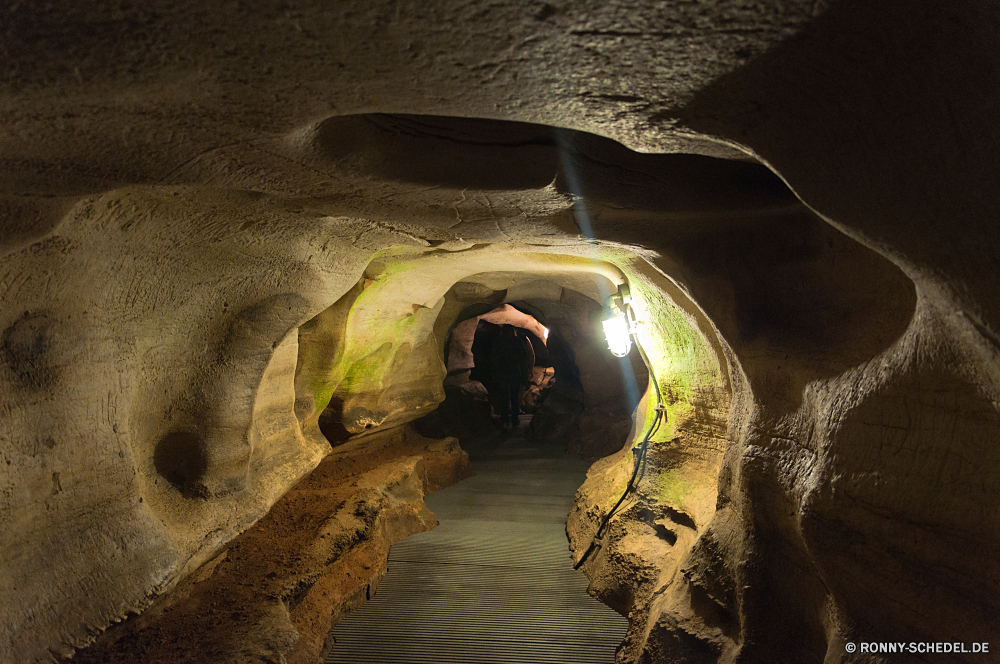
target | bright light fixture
[
  {"x": 617, "y": 327},
  {"x": 617, "y": 333}
]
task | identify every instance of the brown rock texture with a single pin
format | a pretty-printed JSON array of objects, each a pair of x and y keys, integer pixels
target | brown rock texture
[
  {"x": 230, "y": 228},
  {"x": 320, "y": 552}
]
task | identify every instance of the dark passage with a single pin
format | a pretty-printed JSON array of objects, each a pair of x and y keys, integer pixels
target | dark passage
[
  {"x": 505, "y": 368},
  {"x": 494, "y": 582}
]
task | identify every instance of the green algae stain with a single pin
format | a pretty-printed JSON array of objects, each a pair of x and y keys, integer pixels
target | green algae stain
[
  {"x": 365, "y": 374},
  {"x": 322, "y": 394},
  {"x": 351, "y": 367},
  {"x": 670, "y": 487}
]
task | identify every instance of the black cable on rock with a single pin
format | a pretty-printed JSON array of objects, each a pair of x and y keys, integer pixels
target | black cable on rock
[{"x": 640, "y": 456}]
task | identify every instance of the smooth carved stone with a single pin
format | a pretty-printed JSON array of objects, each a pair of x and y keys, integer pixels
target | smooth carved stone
[{"x": 235, "y": 240}]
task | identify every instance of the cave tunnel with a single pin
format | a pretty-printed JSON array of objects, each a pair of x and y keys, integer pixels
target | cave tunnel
[
  {"x": 241, "y": 242},
  {"x": 587, "y": 412},
  {"x": 478, "y": 364}
]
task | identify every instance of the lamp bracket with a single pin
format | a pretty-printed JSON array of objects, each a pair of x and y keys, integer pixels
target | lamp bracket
[
  {"x": 625, "y": 294},
  {"x": 618, "y": 303}
]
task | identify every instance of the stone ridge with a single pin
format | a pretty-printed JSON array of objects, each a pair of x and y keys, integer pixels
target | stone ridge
[{"x": 318, "y": 554}]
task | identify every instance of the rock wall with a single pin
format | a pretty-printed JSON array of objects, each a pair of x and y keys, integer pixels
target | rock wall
[
  {"x": 589, "y": 414},
  {"x": 318, "y": 554},
  {"x": 184, "y": 187},
  {"x": 641, "y": 555},
  {"x": 883, "y": 505}
]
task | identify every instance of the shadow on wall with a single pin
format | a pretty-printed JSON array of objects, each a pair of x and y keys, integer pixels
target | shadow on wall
[
  {"x": 506, "y": 155},
  {"x": 24, "y": 348},
  {"x": 498, "y": 155},
  {"x": 181, "y": 459}
]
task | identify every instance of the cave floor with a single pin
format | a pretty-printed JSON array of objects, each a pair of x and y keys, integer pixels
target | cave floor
[{"x": 494, "y": 582}]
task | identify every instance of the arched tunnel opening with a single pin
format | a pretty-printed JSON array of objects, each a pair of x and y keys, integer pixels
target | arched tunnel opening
[
  {"x": 432, "y": 325},
  {"x": 235, "y": 261},
  {"x": 552, "y": 393},
  {"x": 499, "y": 366}
]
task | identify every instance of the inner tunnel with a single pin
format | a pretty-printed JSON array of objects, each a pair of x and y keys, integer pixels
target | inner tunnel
[{"x": 424, "y": 330}]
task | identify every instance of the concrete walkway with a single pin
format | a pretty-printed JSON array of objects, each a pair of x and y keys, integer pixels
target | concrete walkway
[{"x": 494, "y": 582}]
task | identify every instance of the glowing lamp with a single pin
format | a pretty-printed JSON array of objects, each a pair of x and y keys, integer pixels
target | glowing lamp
[
  {"x": 617, "y": 327},
  {"x": 617, "y": 333}
]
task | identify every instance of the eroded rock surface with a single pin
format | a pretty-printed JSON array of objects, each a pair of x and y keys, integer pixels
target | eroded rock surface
[
  {"x": 272, "y": 594},
  {"x": 222, "y": 221}
]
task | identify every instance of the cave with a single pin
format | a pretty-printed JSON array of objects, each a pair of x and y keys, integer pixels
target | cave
[
  {"x": 478, "y": 395},
  {"x": 241, "y": 243}
]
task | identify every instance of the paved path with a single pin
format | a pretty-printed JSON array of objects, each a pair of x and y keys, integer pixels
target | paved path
[{"x": 494, "y": 582}]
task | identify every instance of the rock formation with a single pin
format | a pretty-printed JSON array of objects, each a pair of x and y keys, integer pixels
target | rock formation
[{"x": 230, "y": 229}]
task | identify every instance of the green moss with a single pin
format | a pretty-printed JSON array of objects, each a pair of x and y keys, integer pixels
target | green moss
[
  {"x": 336, "y": 356},
  {"x": 365, "y": 374},
  {"x": 396, "y": 331},
  {"x": 680, "y": 355},
  {"x": 682, "y": 359},
  {"x": 669, "y": 487},
  {"x": 322, "y": 394}
]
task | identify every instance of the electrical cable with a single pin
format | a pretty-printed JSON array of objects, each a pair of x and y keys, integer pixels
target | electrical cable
[{"x": 640, "y": 456}]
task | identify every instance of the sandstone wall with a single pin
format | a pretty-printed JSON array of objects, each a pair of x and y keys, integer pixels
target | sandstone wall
[{"x": 183, "y": 187}]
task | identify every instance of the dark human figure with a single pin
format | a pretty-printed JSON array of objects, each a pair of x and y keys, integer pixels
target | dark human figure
[
  {"x": 482, "y": 353},
  {"x": 512, "y": 360}
]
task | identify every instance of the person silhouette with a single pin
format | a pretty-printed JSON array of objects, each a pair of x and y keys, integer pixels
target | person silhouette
[{"x": 513, "y": 359}]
